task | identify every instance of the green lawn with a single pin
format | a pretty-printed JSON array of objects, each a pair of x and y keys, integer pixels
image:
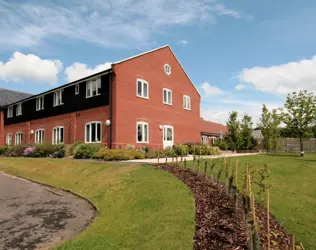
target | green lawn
[
  {"x": 293, "y": 192},
  {"x": 141, "y": 208}
]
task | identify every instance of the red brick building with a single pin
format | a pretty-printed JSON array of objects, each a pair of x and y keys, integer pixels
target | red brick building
[
  {"x": 144, "y": 100},
  {"x": 212, "y": 131}
]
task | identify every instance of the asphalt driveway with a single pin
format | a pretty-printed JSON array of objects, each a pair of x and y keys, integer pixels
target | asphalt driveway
[{"x": 33, "y": 216}]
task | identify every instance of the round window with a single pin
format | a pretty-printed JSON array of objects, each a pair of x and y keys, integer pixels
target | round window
[{"x": 167, "y": 69}]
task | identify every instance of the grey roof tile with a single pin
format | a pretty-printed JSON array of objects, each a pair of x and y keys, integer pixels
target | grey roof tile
[{"x": 10, "y": 96}]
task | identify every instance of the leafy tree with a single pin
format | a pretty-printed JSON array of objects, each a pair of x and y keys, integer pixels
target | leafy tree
[
  {"x": 275, "y": 130},
  {"x": 233, "y": 127},
  {"x": 246, "y": 138},
  {"x": 299, "y": 114}
]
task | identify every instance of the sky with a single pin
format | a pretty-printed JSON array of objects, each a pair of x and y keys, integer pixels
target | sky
[{"x": 239, "y": 54}]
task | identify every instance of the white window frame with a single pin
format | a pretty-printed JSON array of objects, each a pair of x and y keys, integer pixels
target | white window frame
[
  {"x": 9, "y": 139},
  {"x": 90, "y": 132},
  {"x": 143, "y": 82},
  {"x": 166, "y": 71},
  {"x": 58, "y": 98},
  {"x": 18, "y": 138},
  {"x": 143, "y": 124},
  {"x": 77, "y": 89},
  {"x": 40, "y": 132},
  {"x": 213, "y": 140},
  {"x": 204, "y": 139},
  {"x": 94, "y": 83},
  {"x": 187, "y": 102},
  {"x": 10, "y": 112},
  {"x": 163, "y": 96},
  {"x": 167, "y": 143},
  {"x": 40, "y": 103},
  {"x": 56, "y": 139},
  {"x": 18, "y": 110}
]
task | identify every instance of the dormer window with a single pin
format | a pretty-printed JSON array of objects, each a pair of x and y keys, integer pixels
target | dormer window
[
  {"x": 10, "y": 112},
  {"x": 58, "y": 98},
  {"x": 19, "y": 109},
  {"x": 40, "y": 103},
  {"x": 93, "y": 88},
  {"x": 76, "y": 89}
]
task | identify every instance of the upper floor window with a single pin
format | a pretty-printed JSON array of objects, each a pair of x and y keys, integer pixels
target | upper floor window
[
  {"x": 186, "y": 102},
  {"x": 58, "y": 98},
  {"x": 167, "y": 96},
  {"x": 142, "y": 132},
  {"x": 18, "y": 138},
  {"x": 9, "y": 139},
  {"x": 167, "y": 69},
  {"x": 204, "y": 139},
  {"x": 142, "y": 88},
  {"x": 10, "y": 112},
  {"x": 93, "y": 132},
  {"x": 18, "y": 109},
  {"x": 39, "y": 136},
  {"x": 58, "y": 135},
  {"x": 93, "y": 87},
  {"x": 40, "y": 103},
  {"x": 76, "y": 89}
]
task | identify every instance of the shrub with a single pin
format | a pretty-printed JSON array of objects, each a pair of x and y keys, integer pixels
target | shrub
[
  {"x": 221, "y": 144},
  {"x": 3, "y": 150},
  {"x": 213, "y": 151},
  {"x": 86, "y": 151},
  {"x": 16, "y": 150},
  {"x": 29, "y": 152},
  {"x": 153, "y": 153},
  {"x": 117, "y": 154},
  {"x": 169, "y": 152},
  {"x": 73, "y": 148},
  {"x": 181, "y": 149},
  {"x": 59, "y": 151}
]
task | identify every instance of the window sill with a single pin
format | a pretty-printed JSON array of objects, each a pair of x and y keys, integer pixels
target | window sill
[
  {"x": 142, "y": 142},
  {"x": 58, "y": 105},
  {"x": 92, "y": 96},
  {"x": 94, "y": 142},
  {"x": 167, "y": 104},
  {"x": 187, "y": 109},
  {"x": 146, "y": 98}
]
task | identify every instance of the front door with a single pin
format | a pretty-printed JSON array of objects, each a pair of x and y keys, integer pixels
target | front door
[{"x": 168, "y": 136}]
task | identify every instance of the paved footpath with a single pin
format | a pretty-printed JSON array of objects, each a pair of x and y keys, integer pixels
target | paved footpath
[
  {"x": 33, "y": 216},
  {"x": 190, "y": 158}
]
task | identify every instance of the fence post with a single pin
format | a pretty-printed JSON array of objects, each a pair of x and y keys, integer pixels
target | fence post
[{"x": 205, "y": 168}]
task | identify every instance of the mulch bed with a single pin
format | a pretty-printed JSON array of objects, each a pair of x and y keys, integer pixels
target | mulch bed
[{"x": 218, "y": 226}]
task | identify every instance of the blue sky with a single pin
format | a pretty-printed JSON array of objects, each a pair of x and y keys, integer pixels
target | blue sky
[{"x": 239, "y": 54}]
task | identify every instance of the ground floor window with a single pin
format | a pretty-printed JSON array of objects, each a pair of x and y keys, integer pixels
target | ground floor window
[
  {"x": 39, "y": 136},
  {"x": 9, "y": 139},
  {"x": 204, "y": 139},
  {"x": 213, "y": 140},
  {"x": 18, "y": 138},
  {"x": 58, "y": 135},
  {"x": 142, "y": 132},
  {"x": 93, "y": 132}
]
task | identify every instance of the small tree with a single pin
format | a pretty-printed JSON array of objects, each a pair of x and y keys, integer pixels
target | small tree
[
  {"x": 299, "y": 114},
  {"x": 275, "y": 130},
  {"x": 246, "y": 137},
  {"x": 233, "y": 127},
  {"x": 265, "y": 127}
]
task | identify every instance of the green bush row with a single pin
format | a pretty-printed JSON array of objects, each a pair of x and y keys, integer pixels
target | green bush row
[
  {"x": 39, "y": 150},
  {"x": 202, "y": 149}
]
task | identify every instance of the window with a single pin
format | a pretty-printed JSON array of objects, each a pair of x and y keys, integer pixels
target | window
[
  {"x": 204, "y": 139},
  {"x": 9, "y": 139},
  {"x": 186, "y": 102},
  {"x": 213, "y": 140},
  {"x": 58, "y": 135},
  {"x": 168, "y": 133},
  {"x": 142, "y": 132},
  {"x": 167, "y": 69},
  {"x": 93, "y": 88},
  {"x": 18, "y": 109},
  {"x": 142, "y": 88},
  {"x": 18, "y": 138},
  {"x": 76, "y": 89},
  {"x": 167, "y": 96},
  {"x": 58, "y": 98},
  {"x": 10, "y": 112},
  {"x": 40, "y": 103},
  {"x": 39, "y": 136},
  {"x": 93, "y": 132}
]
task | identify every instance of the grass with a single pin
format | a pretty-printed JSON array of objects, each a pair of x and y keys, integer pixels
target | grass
[
  {"x": 293, "y": 191},
  {"x": 140, "y": 207}
]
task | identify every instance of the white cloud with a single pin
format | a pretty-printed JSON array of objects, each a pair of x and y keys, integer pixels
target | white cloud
[
  {"x": 284, "y": 78},
  {"x": 240, "y": 86},
  {"x": 211, "y": 90},
  {"x": 30, "y": 67},
  {"x": 182, "y": 42},
  {"x": 79, "y": 70},
  {"x": 120, "y": 23}
]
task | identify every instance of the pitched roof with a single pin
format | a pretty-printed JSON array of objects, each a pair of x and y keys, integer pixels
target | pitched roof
[
  {"x": 257, "y": 134},
  {"x": 10, "y": 96},
  {"x": 213, "y": 127}
]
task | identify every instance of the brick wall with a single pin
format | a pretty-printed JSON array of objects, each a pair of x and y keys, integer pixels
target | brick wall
[
  {"x": 73, "y": 123},
  {"x": 128, "y": 108}
]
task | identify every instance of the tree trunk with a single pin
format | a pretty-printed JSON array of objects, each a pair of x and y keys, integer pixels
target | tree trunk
[{"x": 301, "y": 146}]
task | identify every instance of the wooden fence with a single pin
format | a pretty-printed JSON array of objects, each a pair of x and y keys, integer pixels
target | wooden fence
[{"x": 293, "y": 145}]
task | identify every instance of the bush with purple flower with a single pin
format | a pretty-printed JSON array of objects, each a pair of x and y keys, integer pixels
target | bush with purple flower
[{"x": 29, "y": 151}]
